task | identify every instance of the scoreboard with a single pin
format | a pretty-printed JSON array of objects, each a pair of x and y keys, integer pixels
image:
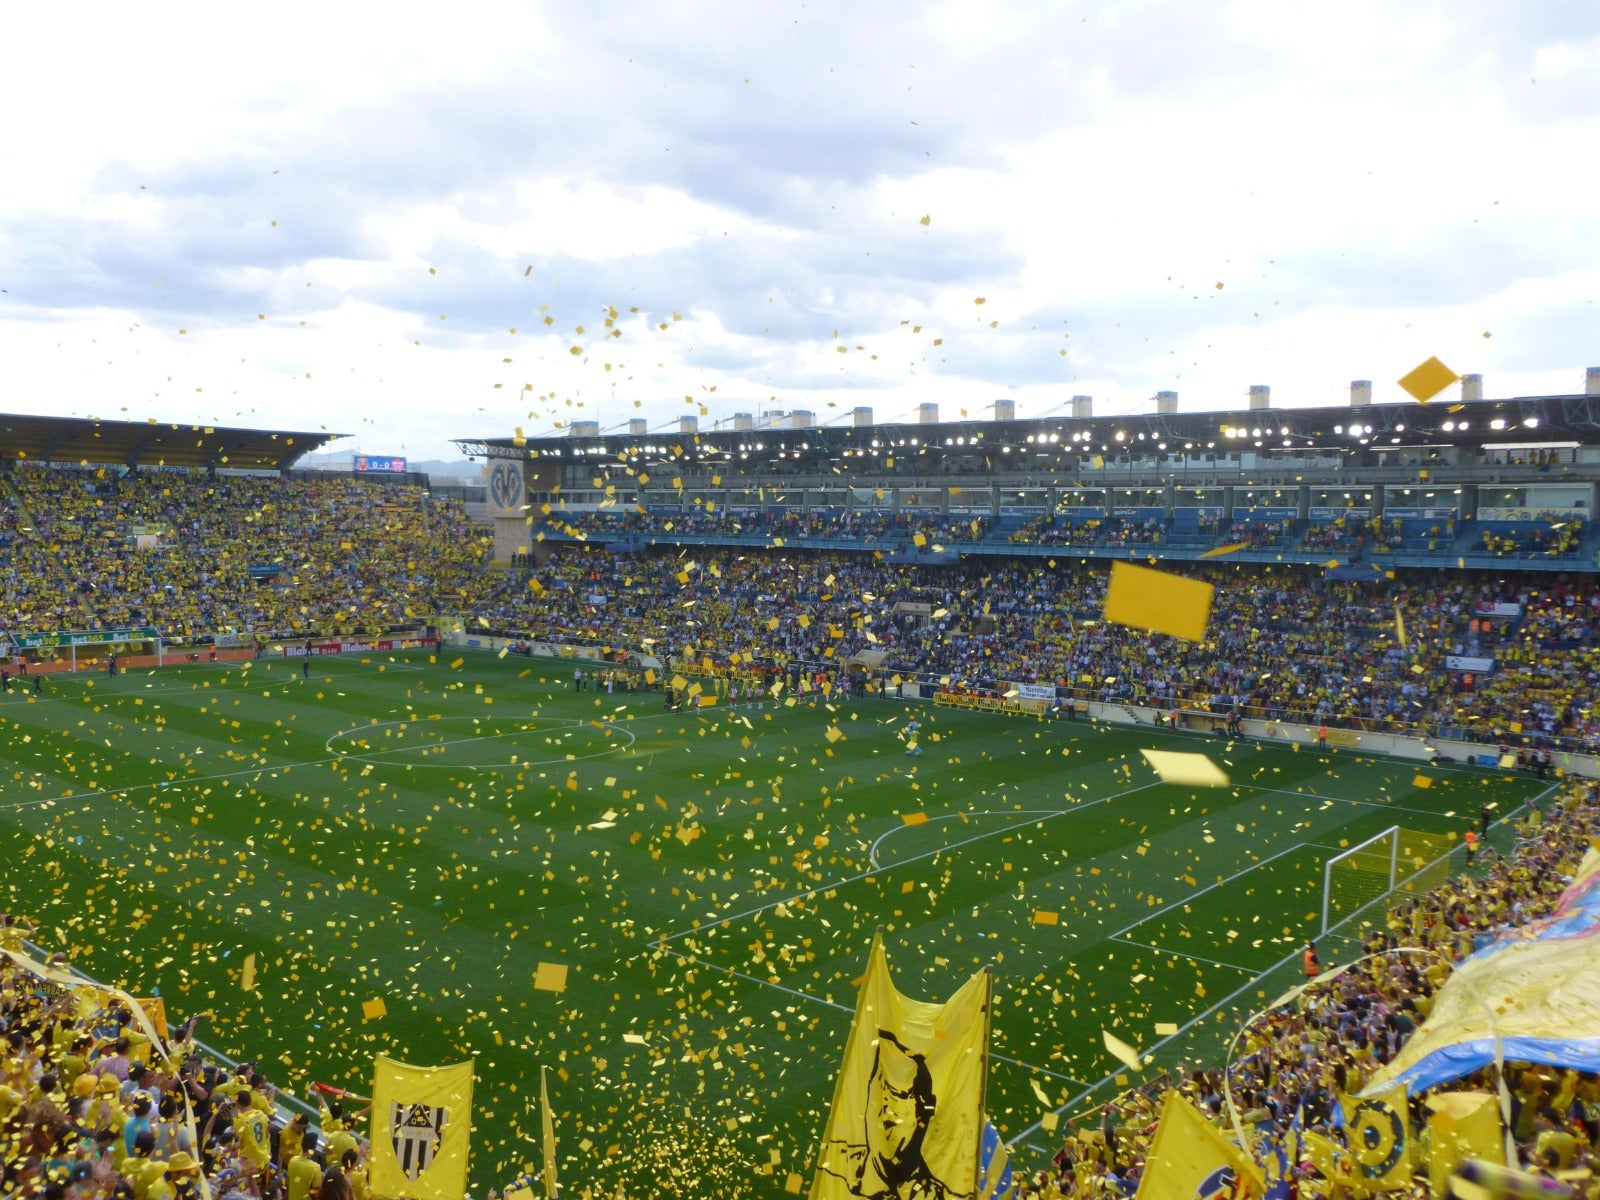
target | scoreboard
[{"x": 367, "y": 463}]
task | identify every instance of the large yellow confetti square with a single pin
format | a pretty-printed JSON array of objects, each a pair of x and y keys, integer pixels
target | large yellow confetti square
[
  {"x": 1158, "y": 602},
  {"x": 1422, "y": 781},
  {"x": 550, "y": 977},
  {"x": 374, "y": 1009},
  {"x": 1428, "y": 380},
  {"x": 916, "y": 818},
  {"x": 1044, "y": 917},
  {"x": 1190, "y": 770}
]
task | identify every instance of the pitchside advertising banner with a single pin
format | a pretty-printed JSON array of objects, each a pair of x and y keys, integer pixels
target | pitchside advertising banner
[
  {"x": 318, "y": 648},
  {"x": 1035, "y": 691},
  {"x": 367, "y": 464},
  {"x": 1464, "y": 662},
  {"x": 109, "y": 637}
]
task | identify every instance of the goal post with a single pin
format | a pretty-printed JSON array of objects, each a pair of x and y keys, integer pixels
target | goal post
[
  {"x": 1396, "y": 861},
  {"x": 1355, "y": 878}
]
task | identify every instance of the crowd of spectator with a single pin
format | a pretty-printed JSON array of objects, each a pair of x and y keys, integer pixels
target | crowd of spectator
[
  {"x": 1556, "y": 539},
  {"x": 188, "y": 554},
  {"x": 1300, "y": 1059},
  {"x": 96, "y": 1105},
  {"x": 1260, "y": 533},
  {"x": 1132, "y": 532},
  {"x": 1282, "y": 644},
  {"x": 192, "y": 555}
]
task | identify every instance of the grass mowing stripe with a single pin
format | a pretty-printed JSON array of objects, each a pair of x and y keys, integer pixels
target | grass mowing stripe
[{"x": 459, "y": 882}]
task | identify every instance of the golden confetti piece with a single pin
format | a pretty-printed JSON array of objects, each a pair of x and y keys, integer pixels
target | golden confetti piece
[
  {"x": 1230, "y": 548},
  {"x": 916, "y": 818},
  {"x": 550, "y": 977},
  {"x": 374, "y": 1009},
  {"x": 1044, "y": 917},
  {"x": 1166, "y": 1029},
  {"x": 908, "y": 887},
  {"x": 1422, "y": 781},
  {"x": 1190, "y": 770},
  {"x": 928, "y": 220},
  {"x": 1427, "y": 380},
  {"x": 1158, "y": 602},
  {"x": 793, "y": 1184},
  {"x": 1121, "y": 1051},
  {"x": 247, "y": 979}
]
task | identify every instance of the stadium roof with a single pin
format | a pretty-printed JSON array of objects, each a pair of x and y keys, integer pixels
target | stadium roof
[
  {"x": 1544, "y": 419},
  {"x": 150, "y": 444}
]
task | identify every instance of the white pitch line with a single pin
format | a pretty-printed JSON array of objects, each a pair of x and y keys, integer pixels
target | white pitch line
[
  {"x": 859, "y": 876},
  {"x": 148, "y": 787},
  {"x": 1210, "y": 887},
  {"x": 1217, "y": 1007},
  {"x": 557, "y": 725},
  {"x": 1426, "y": 812},
  {"x": 1182, "y": 954},
  {"x": 872, "y": 853}
]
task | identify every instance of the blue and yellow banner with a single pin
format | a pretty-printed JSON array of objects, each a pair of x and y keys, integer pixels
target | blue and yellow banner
[{"x": 1536, "y": 989}]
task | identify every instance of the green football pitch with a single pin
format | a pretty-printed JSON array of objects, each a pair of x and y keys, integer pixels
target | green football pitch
[{"x": 440, "y": 834}]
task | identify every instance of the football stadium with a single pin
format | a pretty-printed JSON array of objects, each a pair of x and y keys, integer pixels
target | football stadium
[{"x": 1182, "y": 804}]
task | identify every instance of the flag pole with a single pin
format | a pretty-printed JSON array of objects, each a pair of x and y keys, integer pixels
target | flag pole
[
  {"x": 552, "y": 1186},
  {"x": 983, "y": 1075}
]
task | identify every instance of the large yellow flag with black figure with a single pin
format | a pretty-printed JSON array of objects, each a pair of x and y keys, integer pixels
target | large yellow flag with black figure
[
  {"x": 421, "y": 1130},
  {"x": 1377, "y": 1131},
  {"x": 907, "y": 1119}
]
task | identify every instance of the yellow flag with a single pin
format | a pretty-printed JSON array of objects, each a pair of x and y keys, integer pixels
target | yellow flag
[
  {"x": 1190, "y": 1159},
  {"x": 1463, "y": 1125},
  {"x": 1377, "y": 1130},
  {"x": 907, "y": 1116},
  {"x": 1330, "y": 1159},
  {"x": 421, "y": 1130},
  {"x": 550, "y": 1184}
]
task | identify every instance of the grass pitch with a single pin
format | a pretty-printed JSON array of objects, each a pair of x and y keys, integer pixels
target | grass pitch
[{"x": 430, "y": 833}]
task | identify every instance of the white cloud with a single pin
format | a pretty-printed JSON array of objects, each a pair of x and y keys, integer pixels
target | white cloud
[{"x": 1370, "y": 187}]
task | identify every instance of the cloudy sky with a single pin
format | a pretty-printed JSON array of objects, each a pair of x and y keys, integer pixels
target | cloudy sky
[{"x": 413, "y": 223}]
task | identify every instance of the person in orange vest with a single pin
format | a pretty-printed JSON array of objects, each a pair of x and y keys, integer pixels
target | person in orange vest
[
  {"x": 1322, "y": 737},
  {"x": 1472, "y": 846},
  {"x": 1313, "y": 963}
]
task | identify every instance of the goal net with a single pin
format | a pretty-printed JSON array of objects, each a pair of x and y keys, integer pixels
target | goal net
[{"x": 1396, "y": 862}]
